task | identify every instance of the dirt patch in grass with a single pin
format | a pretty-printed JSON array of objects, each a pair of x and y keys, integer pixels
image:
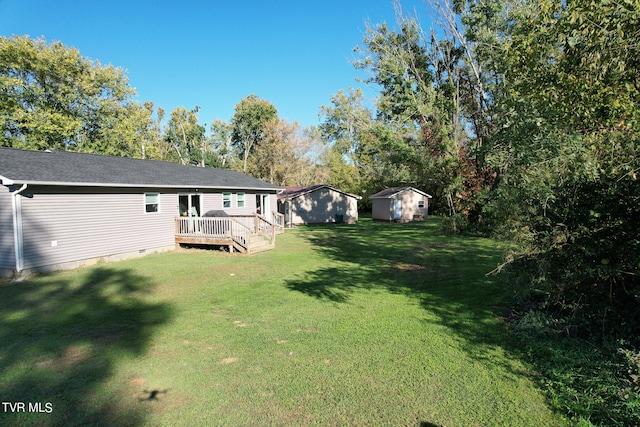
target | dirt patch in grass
[
  {"x": 136, "y": 382},
  {"x": 239, "y": 324},
  {"x": 437, "y": 246},
  {"x": 411, "y": 268},
  {"x": 228, "y": 361},
  {"x": 70, "y": 357}
]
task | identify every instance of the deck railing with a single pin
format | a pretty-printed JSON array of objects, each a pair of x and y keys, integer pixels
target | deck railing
[
  {"x": 240, "y": 233},
  {"x": 203, "y": 227},
  {"x": 278, "y": 221},
  {"x": 237, "y": 228}
]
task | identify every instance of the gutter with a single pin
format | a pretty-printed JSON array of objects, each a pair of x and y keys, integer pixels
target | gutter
[
  {"x": 16, "y": 206},
  {"x": 117, "y": 185}
]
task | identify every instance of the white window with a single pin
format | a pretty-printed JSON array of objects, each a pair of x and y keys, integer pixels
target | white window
[
  {"x": 226, "y": 200},
  {"x": 240, "y": 200},
  {"x": 151, "y": 202},
  {"x": 421, "y": 204}
]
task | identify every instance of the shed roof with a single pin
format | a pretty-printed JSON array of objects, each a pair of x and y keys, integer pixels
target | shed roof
[
  {"x": 388, "y": 193},
  {"x": 82, "y": 169},
  {"x": 292, "y": 192}
]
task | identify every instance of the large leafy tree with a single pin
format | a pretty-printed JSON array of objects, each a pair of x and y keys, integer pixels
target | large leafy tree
[
  {"x": 285, "y": 156},
  {"x": 186, "y": 136},
  {"x": 364, "y": 153},
  {"x": 571, "y": 136},
  {"x": 221, "y": 141},
  {"x": 343, "y": 125},
  {"x": 150, "y": 134},
  {"x": 52, "y": 97},
  {"x": 419, "y": 128},
  {"x": 251, "y": 116}
]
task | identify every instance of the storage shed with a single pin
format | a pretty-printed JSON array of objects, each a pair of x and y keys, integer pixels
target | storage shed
[
  {"x": 317, "y": 204},
  {"x": 401, "y": 204}
]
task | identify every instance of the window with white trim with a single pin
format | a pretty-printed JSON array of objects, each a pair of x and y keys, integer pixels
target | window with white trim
[
  {"x": 420, "y": 204},
  {"x": 240, "y": 200},
  {"x": 151, "y": 202},
  {"x": 226, "y": 200}
]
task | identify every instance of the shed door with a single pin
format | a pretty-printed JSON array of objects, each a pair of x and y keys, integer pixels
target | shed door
[{"x": 397, "y": 209}]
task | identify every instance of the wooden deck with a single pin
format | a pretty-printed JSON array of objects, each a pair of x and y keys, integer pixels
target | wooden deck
[{"x": 243, "y": 233}]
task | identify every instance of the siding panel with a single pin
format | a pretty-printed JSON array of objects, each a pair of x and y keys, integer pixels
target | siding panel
[
  {"x": 75, "y": 225},
  {"x": 321, "y": 206}
]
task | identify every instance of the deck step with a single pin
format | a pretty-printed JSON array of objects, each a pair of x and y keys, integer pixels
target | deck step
[
  {"x": 263, "y": 248},
  {"x": 258, "y": 243}
]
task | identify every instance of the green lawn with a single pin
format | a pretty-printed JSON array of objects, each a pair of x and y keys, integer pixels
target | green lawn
[{"x": 370, "y": 324}]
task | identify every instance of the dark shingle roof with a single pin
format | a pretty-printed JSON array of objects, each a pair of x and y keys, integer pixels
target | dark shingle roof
[
  {"x": 81, "y": 169},
  {"x": 292, "y": 192}
]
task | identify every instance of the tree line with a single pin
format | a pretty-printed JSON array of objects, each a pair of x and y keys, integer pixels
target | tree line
[{"x": 51, "y": 97}]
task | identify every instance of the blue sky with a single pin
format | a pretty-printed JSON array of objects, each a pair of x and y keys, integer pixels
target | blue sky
[{"x": 295, "y": 54}]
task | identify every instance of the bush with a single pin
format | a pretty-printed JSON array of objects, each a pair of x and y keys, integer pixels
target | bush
[
  {"x": 455, "y": 224},
  {"x": 593, "y": 384}
]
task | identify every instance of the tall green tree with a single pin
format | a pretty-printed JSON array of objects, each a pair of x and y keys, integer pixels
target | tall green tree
[
  {"x": 342, "y": 126},
  {"x": 150, "y": 142},
  {"x": 571, "y": 133},
  {"x": 221, "y": 134},
  {"x": 285, "y": 155},
  {"x": 398, "y": 63},
  {"x": 251, "y": 116},
  {"x": 420, "y": 120},
  {"x": 186, "y": 136},
  {"x": 52, "y": 97}
]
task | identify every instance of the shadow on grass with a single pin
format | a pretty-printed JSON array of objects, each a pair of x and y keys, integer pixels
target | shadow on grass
[
  {"x": 61, "y": 340},
  {"x": 446, "y": 274}
]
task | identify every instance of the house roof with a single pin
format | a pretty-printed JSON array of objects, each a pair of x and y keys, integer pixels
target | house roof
[
  {"x": 388, "y": 193},
  {"x": 81, "y": 169},
  {"x": 293, "y": 192}
]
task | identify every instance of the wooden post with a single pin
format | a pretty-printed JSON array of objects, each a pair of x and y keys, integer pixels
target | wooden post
[{"x": 273, "y": 233}]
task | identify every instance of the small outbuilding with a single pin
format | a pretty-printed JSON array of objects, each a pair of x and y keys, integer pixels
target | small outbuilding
[
  {"x": 317, "y": 204},
  {"x": 401, "y": 204}
]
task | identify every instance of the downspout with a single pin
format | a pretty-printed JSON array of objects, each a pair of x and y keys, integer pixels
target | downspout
[
  {"x": 16, "y": 206},
  {"x": 287, "y": 213}
]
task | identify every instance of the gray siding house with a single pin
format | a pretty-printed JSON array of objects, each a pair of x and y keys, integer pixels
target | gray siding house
[
  {"x": 317, "y": 204},
  {"x": 400, "y": 204},
  {"x": 62, "y": 209}
]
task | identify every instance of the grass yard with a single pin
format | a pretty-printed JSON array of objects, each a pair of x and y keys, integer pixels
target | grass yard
[{"x": 368, "y": 324}]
